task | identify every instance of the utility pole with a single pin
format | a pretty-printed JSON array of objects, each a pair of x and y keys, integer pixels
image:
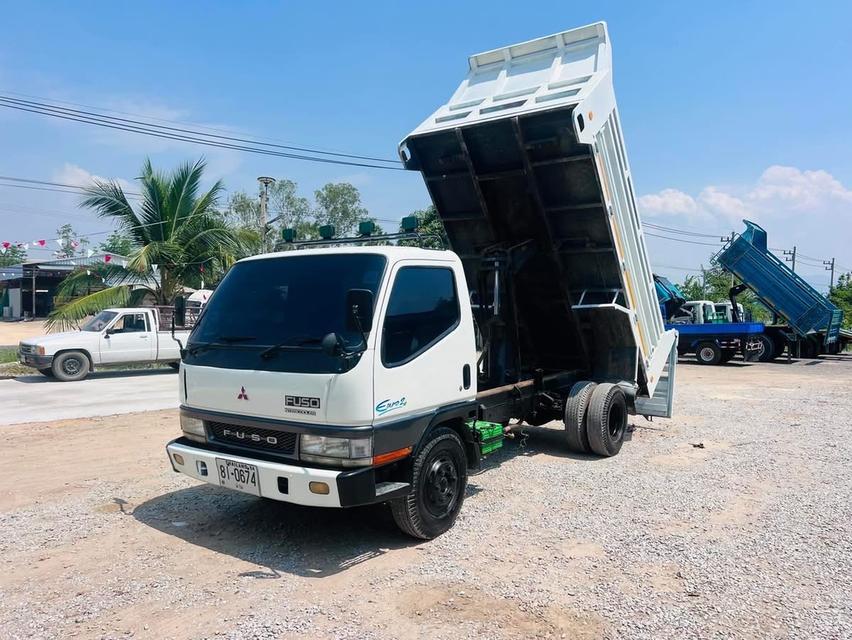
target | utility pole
[
  {"x": 265, "y": 182},
  {"x": 829, "y": 266},
  {"x": 790, "y": 256}
]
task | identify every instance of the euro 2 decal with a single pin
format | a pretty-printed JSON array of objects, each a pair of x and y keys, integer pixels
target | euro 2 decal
[{"x": 386, "y": 406}]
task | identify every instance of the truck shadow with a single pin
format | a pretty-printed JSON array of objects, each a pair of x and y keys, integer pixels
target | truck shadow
[{"x": 283, "y": 538}]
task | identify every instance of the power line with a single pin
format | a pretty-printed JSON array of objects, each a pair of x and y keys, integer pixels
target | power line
[
  {"x": 660, "y": 227},
  {"x": 254, "y": 139},
  {"x": 159, "y": 131},
  {"x": 706, "y": 244}
]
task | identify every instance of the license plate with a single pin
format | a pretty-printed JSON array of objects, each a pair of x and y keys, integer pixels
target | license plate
[{"x": 238, "y": 475}]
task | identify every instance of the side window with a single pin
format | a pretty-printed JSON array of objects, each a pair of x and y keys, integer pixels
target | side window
[
  {"x": 130, "y": 323},
  {"x": 422, "y": 309}
]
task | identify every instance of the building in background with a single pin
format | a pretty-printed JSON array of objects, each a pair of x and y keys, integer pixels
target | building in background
[{"x": 28, "y": 290}]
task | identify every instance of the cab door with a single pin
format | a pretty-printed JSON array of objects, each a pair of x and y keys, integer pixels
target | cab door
[
  {"x": 426, "y": 353},
  {"x": 129, "y": 338}
]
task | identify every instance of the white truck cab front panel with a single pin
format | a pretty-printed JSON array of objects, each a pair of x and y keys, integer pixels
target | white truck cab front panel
[{"x": 319, "y": 398}]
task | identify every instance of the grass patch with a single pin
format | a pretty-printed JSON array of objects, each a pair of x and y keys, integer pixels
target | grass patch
[{"x": 8, "y": 355}]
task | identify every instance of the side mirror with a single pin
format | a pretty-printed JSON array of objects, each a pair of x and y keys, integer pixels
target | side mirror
[
  {"x": 109, "y": 332},
  {"x": 359, "y": 301},
  {"x": 180, "y": 311},
  {"x": 331, "y": 344}
]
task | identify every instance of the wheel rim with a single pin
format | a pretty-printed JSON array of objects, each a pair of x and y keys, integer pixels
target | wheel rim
[
  {"x": 71, "y": 366},
  {"x": 617, "y": 418},
  {"x": 442, "y": 486},
  {"x": 706, "y": 354}
]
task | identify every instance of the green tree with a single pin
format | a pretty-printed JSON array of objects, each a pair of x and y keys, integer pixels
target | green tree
[
  {"x": 841, "y": 295},
  {"x": 118, "y": 243},
  {"x": 13, "y": 255},
  {"x": 70, "y": 243},
  {"x": 428, "y": 224},
  {"x": 339, "y": 204},
  {"x": 176, "y": 231}
]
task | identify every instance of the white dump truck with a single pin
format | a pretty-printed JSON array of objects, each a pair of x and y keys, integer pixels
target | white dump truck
[
  {"x": 114, "y": 337},
  {"x": 345, "y": 375}
]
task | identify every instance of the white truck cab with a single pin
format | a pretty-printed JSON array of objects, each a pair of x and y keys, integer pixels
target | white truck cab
[{"x": 114, "y": 337}]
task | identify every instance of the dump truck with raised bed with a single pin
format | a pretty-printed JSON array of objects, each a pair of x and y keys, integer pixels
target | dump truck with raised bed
[
  {"x": 702, "y": 330},
  {"x": 809, "y": 325},
  {"x": 336, "y": 375}
]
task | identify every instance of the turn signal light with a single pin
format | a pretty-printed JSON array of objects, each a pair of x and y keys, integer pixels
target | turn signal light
[
  {"x": 391, "y": 456},
  {"x": 178, "y": 458},
  {"x": 318, "y": 487}
]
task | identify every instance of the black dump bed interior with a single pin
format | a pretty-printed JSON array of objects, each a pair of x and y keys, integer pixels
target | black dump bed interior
[{"x": 527, "y": 178}]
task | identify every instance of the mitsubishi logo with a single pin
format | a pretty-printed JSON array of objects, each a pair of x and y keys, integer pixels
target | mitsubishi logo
[{"x": 242, "y": 395}]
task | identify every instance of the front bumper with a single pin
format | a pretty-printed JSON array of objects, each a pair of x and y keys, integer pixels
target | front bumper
[
  {"x": 346, "y": 488},
  {"x": 35, "y": 361}
]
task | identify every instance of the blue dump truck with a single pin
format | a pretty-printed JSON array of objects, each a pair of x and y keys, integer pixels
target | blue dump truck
[
  {"x": 712, "y": 342},
  {"x": 806, "y": 322}
]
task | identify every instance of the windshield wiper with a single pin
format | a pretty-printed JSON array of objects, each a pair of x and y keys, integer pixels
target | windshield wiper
[
  {"x": 291, "y": 344},
  {"x": 221, "y": 341}
]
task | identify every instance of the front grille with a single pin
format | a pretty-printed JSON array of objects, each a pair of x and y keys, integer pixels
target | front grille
[
  {"x": 265, "y": 439},
  {"x": 27, "y": 348}
]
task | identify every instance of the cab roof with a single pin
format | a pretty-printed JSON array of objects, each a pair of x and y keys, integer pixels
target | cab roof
[{"x": 391, "y": 252}]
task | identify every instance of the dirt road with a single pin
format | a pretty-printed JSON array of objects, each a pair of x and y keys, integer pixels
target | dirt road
[
  {"x": 11, "y": 333},
  {"x": 731, "y": 520}
]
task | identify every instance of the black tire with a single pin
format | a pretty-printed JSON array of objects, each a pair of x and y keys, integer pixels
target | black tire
[
  {"x": 780, "y": 343},
  {"x": 727, "y": 355},
  {"x": 765, "y": 351},
  {"x": 576, "y": 410},
  {"x": 71, "y": 366},
  {"x": 439, "y": 480},
  {"x": 809, "y": 349},
  {"x": 47, "y": 373},
  {"x": 708, "y": 353},
  {"x": 606, "y": 422}
]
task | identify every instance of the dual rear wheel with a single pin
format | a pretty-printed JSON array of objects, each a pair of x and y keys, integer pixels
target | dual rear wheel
[{"x": 595, "y": 418}]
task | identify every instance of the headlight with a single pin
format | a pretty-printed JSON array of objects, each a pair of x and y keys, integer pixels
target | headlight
[
  {"x": 347, "y": 452},
  {"x": 193, "y": 428}
]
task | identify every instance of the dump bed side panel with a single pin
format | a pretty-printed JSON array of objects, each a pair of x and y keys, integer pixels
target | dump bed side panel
[
  {"x": 529, "y": 148},
  {"x": 778, "y": 287}
]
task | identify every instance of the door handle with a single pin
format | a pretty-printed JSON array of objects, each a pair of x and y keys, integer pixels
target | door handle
[
  {"x": 466, "y": 376},
  {"x": 143, "y": 337}
]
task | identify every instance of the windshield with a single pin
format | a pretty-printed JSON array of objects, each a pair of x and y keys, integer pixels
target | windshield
[
  {"x": 295, "y": 299},
  {"x": 100, "y": 321}
]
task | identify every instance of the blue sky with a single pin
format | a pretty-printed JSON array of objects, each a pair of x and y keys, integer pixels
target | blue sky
[{"x": 729, "y": 109}]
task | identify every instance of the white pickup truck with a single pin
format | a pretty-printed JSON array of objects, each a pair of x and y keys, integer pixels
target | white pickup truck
[{"x": 113, "y": 337}]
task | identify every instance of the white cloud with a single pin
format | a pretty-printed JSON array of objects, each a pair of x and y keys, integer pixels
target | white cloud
[
  {"x": 77, "y": 176},
  {"x": 780, "y": 192},
  {"x": 668, "y": 202}
]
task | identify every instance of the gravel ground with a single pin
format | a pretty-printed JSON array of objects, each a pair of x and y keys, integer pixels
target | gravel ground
[{"x": 730, "y": 520}]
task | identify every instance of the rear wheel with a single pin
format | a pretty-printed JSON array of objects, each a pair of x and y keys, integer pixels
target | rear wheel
[
  {"x": 70, "y": 366},
  {"x": 708, "y": 353},
  {"x": 809, "y": 348},
  {"x": 728, "y": 354},
  {"x": 576, "y": 409},
  {"x": 439, "y": 479},
  {"x": 606, "y": 423},
  {"x": 763, "y": 349}
]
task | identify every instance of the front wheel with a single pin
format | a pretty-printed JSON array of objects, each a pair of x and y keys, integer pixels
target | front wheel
[
  {"x": 708, "y": 353},
  {"x": 439, "y": 479},
  {"x": 70, "y": 366}
]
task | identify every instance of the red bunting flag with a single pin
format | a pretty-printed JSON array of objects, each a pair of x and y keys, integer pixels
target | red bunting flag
[{"x": 107, "y": 258}]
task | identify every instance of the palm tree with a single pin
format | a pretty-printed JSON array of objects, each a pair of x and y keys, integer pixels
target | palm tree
[{"x": 175, "y": 231}]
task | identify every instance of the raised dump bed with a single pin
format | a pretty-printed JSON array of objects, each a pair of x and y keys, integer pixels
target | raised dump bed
[
  {"x": 527, "y": 159},
  {"x": 806, "y": 310}
]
